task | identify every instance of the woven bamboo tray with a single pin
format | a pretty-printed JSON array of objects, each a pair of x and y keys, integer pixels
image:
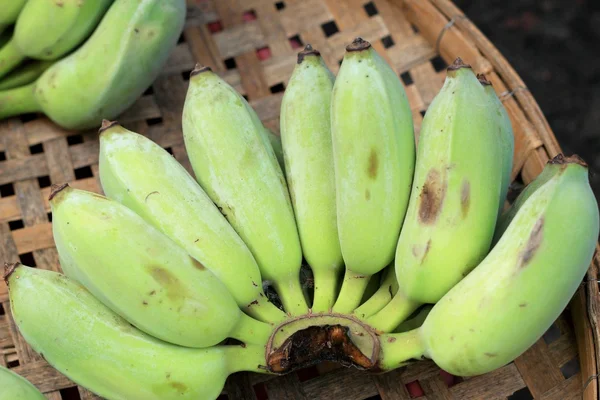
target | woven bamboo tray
[{"x": 252, "y": 44}]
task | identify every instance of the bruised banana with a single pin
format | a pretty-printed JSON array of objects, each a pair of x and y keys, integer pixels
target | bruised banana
[
  {"x": 25, "y": 74},
  {"x": 142, "y": 275},
  {"x": 143, "y": 176},
  {"x": 374, "y": 155},
  {"x": 512, "y": 297},
  {"x": 506, "y": 136},
  {"x": 47, "y": 30},
  {"x": 235, "y": 164},
  {"x": 109, "y": 71},
  {"x": 16, "y": 387},
  {"x": 97, "y": 349},
  {"x": 10, "y": 12},
  {"x": 308, "y": 156}
]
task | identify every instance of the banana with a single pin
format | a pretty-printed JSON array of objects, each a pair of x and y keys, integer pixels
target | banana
[
  {"x": 374, "y": 155},
  {"x": 235, "y": 164},
  {"x": 506, "y": 136},
  {"x": 10, "y": 12},
  {"x": 143, "y": 176},
  {"x": 386, "y": 292},
  {"x": 275, "y": 141},
  {"x": 456, "y": 190},
  {"x": 106, "y": 74},
  {"x": 142, "y": 275},
  {"x": 97, "y": 349},
  {"x": 308, "y": 155},
  {"x": 16, "y": 387},
  {"x": 513, "y": 296},
  {"x": 47, "y": 30},
  {"x": 25, "y": 74}
]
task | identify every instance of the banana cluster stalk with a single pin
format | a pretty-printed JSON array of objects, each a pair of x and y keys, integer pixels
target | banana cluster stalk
[
  {"x": 145, "y": 277},
  {"x": 512, "y": 297},
  {"x": 235, "y": 164},
  {"x": 16, "y": 387},
  {"x": 99, "y": 350},
  {"x": 308, "y": 156},
  {"x": 374, "y": 155},
  {"x": 134, "y": 39}
]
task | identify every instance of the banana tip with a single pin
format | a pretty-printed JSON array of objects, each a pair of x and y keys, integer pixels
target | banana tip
[
  {"x": 483, "y": 80},
  {"x": 9, "y": 268},
  {"x": 55, "y": 189},
  {"x": 358, "y": 44},
  {"x": 106, "y": 124},
  {"x": 199, "y": 69},
  {"x": 458, "y": 64},
  {"x": 308, "y": 51},
  {"x": 560, "y": 159}
]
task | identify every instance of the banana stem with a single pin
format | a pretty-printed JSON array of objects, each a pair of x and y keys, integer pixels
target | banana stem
[
  {"x": 10, "y": 57},
  {"x": 265, "y": 311},
  {"x": 18, "y": 101},
  {"x": 291, "y": 295},
  {"x": 351, "y": 293},
  {"x": 376, "y": 302},
  {"x": 393, "y": 314},
  {"x": 251, "y": 331},
  {"x": 397, "y": 349},
  {"x": 325, "y": 289},
  {"x": 249, "y": 358},
  {"x": 24, "y": 75}
]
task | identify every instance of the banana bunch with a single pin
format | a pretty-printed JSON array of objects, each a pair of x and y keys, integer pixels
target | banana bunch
[
  {"x": 80, "y": 61},
  {"x": 163, "y": 290},
  {"x": 15, "y": 387}
]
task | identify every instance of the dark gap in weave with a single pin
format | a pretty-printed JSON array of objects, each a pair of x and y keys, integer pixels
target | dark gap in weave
[
  {"x": 12, "y": 364},
  {"x": 7, "y": 190},
  {"x": 169, "y": 150},
  {"x": 2, "y": 312},
  {"x": 414, "y": 386},
  {"x": 28, "y": 117},
  {"x": 27, "y": 259},
  {"x": 296, "y": 42},
  {"x": 414, "y": 28},
  {"x": 70, "y": 393},
  {"x": 223, "y": 396},
  {"x": 181, "y": 39},
  {"x": 44, "y": 181},
  {"x": 438, "y": 63},
  {"x": 230, "y": 63},
  {"x": 154, "y": 121},
  {"x": 387, "y": 41},
  {"x": 260, "y": 391},
  {"x": 149, "y": 91},
  {"x": 16, "y": 225},
  {"x": 186, "y": 75},
  {"x": 406, "y": 78},
  {"x": 370, "y": 9},
  {"x": 245, "y": 97},
  {"x": 49, "y": 217},
  {"x": 521, "y": 394},
  {"x": 422, "y": 112},
  {"x": 376, "y": 397},
  {"x": 330, "y": 28},
  {"x": 570, "y": 368},
  {"x": 552, "y": 334},
  {"x": 249, "y": 15},
  {"x": 277, "y": 88},
  {"x": 36, "y": 148},
  {"x": 74, "y": 139},
  {"x": 83, "y": 172},
  {"x": 280, "y": 5},
  {"x": 2, "y": 156}
]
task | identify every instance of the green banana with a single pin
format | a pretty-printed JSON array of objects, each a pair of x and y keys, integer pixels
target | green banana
[
  {"x": 456, "y": 190},
  {"x": 513, "y": 296},
  {"x": 10, "y": 12},
  {"x": 25, "y": 74},
  {"x": 275, "y": 141},
  {"x": 97, "y": 349},
  {"x": 235, "y": 164},
  {"x": 386, "y": 292},
  {"x": 308, "y": 155},
  {"x": 106, "y": 74},
  {"x": 506, "y": 136},
  {"x": 144, "y": 177},
  {"x": 16, "y": 387},
  {"x": 142, "y": 275},
  {"x": 47, "y": 30},
  {"x": 374, "y": 155}
]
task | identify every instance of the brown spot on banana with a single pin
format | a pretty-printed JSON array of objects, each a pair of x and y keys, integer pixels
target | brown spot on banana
[
  {"x": 179, "y": 386},
  {"x": 432, "y": 197},
  {"x": 373, "y": 166},
  {"x": 465, "y": 197},
  {"x": 490, "y": 355},
  {"x": 533, "y": 244},
  {"x": 367, "y": 194},
  {"x": 170, "y": 283}
]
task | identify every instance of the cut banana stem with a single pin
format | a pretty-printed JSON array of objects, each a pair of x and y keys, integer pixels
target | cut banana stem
[
  {"x": 374, "y": 155},
  {"x": 24, "y": 75},
  {"x": 456, "y": 190},
  {"x": 512, "y": 297},
  {"x": 143, "y": 176},
  {"x": 308, "y": 155},
  {"x": 351, "y": 292},
  {"x": 235, "y": 165},
  {"x": 383, "y": 295},
  {"x": 506, "y": 136},
  {"x": 16, "y": 387},
  {"x": 97, "y": 349},
  {"x": 141, "y": 274},
  {"x": 10, "y": 57}
]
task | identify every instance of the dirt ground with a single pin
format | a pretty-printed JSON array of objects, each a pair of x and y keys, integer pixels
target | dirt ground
[{"x": 553, "y": 46}]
